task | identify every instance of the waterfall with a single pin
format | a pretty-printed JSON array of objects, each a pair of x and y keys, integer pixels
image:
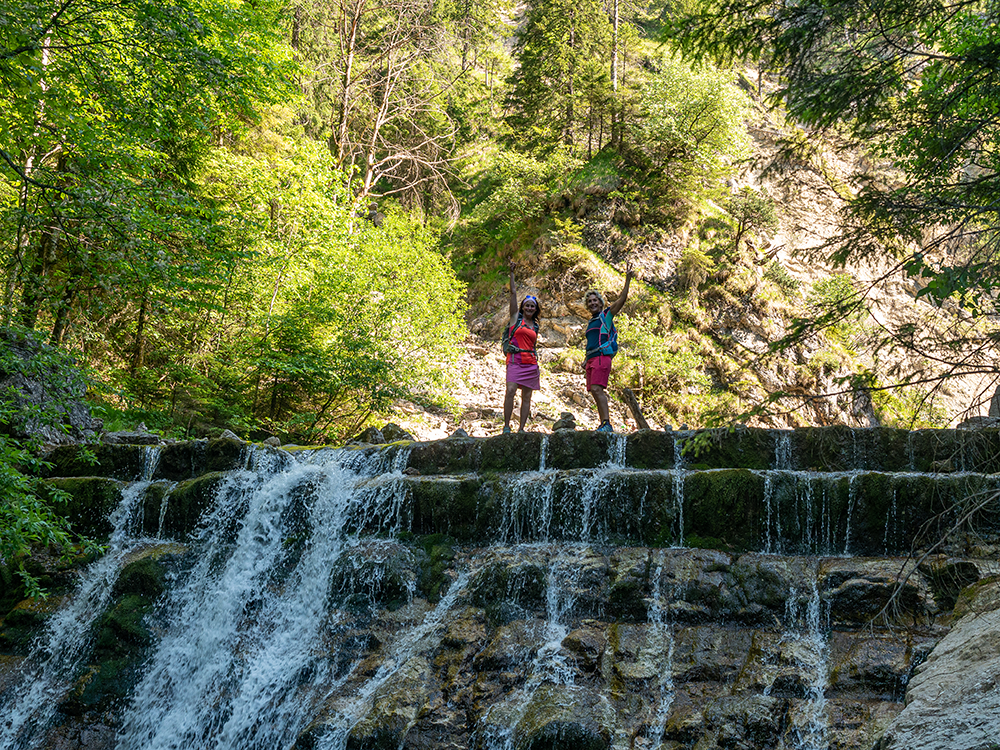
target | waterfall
[
  {"x": 805, "y": 650},
  {"x": 662, "y": 639},
  {"x": 412, "y": 642},
  {"x": 783, "y": 451},
  {"x": 550, "y": 664},
  {"x": 31, "y": 700},
  {"x": 852, "y": 494},
  {"x": 240, "y": 663},
  {"x": 678, "y": 483}
]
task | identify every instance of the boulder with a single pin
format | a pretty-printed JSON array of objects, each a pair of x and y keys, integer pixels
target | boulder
[{"x": 953, "y": 700}]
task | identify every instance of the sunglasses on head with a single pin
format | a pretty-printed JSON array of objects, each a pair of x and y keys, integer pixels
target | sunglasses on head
[{"x": 528, "y": 296}]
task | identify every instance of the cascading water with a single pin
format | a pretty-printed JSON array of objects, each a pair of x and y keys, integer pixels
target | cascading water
[
  {"x": 662, "y": 641},
  {"x": 240, "y": 664},
  {"x": 414, "y": 640},
  {"x": 679, "y": 474},
  {"x": 326, "y": 599},
  {"x": 31, "y": 701},
  {"x": 550, "y": 664},
  {"x": 805, "y": 650}
]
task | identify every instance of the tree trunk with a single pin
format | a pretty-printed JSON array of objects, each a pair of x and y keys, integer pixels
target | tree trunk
[
  {"x": 349, "y": 22},
  {"x": 139, "y": 351}
]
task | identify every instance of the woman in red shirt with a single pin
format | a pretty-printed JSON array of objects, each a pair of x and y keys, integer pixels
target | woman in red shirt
[{"x": 522, "y": 365}]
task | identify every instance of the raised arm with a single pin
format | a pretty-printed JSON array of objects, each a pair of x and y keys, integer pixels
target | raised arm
[
  {"x": 513, "y": 294},
  {"x": 619, "y": 303}
]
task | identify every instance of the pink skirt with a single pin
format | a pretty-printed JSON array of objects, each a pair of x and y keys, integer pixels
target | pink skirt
[{"x": 526, "y": 376}]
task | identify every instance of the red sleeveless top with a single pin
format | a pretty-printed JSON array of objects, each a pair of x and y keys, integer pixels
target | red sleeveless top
[{"x": 524, "y": 338}]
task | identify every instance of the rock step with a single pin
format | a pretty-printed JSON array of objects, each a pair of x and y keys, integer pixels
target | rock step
[{"x": 819, "y": 449}]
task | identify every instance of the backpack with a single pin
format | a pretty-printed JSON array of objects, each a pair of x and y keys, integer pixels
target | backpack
[
  {"x": 607, "y": 338},
  {"x": 505, "y": 343}
]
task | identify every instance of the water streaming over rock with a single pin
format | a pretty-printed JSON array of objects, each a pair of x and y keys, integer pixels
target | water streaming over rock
[
  {"x": 803, "y": 670},
  {"x": 662, "y": 648},
  {"x": 517, "y": 592},
  {"x": 50, "y": 669},
  {"x": 240, "y": 664}
]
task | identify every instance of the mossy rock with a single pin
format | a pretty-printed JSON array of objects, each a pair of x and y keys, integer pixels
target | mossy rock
[
  {"x": 578, "y": 449},
  {"x": 805, "y": 513},
  {"x": 121, "y": 645},
  {"x": 508, "y": 591},
  {"x": 513, "y": 452},
  {"x": 123, "y": 462},
  {"x": 642, "y": 509},
  {"x": 187, "y": 460},
  {"x": 91, "y": 501},
  {"x": 181, "y": 461},
  {"x": 379, "y": 573},
  {"x": 455, "y": 506},
  {"x": 651, "y": 449},
  {"x": 626, "y": 601},
  {"x": 439, "y": 553},
  {"x": 726, "y": 504},
  {"x": 20, "y": 626},
  {"x": 394, "y": 708},
  {"x": 145, "y": 570},
  {"x": 185, "y": 504},
  {"x": 565, "y": 717},
  {"x": 453, "y": 456},
  {"x": 730, "y": 449},
  {"x": 824, "y": 448},
  {"x": 981, "y": 597},
  {"x": 225, "y": 454},
  {"x": 948, "y": 579}
]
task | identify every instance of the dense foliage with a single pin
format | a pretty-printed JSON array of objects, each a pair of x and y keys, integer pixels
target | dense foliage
[{"x": 914, "y": 86}]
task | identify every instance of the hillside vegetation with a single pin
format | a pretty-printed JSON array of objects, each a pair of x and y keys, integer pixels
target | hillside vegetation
[{"x": 286, "y": 220}]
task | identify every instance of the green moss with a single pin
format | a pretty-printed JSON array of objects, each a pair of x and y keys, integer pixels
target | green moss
[
  {"x": 105, "y": 460},
  {"x": 577, "y": 449},
  {"x": 91, "y": 501},
  {"x": 20, "y": 626},
  {"x": 730, "y": 449},
  {"x": 649, "y": 449},
  {"x": 505, "y": 591},
  {"x": 439, "y": 553},
  {"x": 454, "y": 506},
  {"x": 454, "y": 456},
  {"x": 949, "y": 581},
  {"x": 186, "y": 502},
  {"x": 824, "y": 448},
  {"x": 513, "y": 452},
  {"x": 727, "y": 505}
]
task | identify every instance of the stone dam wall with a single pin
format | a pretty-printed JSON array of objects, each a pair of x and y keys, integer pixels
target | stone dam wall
[{"x": 747, "y": 589}]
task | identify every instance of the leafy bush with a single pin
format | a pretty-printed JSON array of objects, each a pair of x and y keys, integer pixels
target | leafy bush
[
  {"x": 694, "y": 267},
  {"x": 690, "y": 130}
]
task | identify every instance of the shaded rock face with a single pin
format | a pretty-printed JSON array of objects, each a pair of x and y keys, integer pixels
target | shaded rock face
[
  {"x": 29, "y": 375},
  {"x": 525, "y": 591},
  {"x": 953, "y": 700}
]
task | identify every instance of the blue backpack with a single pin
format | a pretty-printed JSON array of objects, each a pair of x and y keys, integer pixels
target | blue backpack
[{"x": 607, "y": 338}]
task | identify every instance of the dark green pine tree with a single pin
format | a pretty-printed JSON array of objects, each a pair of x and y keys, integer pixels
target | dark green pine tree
[{"x": 556, "y": 41}]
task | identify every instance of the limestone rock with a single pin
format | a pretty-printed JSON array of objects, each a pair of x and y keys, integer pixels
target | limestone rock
[
  {"x": 392, "y": 432},
  {"x": 953, "y": 701},
  {"x": 566, "y": 421},
  {"x": 371, "y": 435}
]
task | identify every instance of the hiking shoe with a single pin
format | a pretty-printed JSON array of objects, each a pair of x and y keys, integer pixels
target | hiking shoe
[
  {"x": 506, "y": 430},
  {"x": 605, "y": 427}
]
